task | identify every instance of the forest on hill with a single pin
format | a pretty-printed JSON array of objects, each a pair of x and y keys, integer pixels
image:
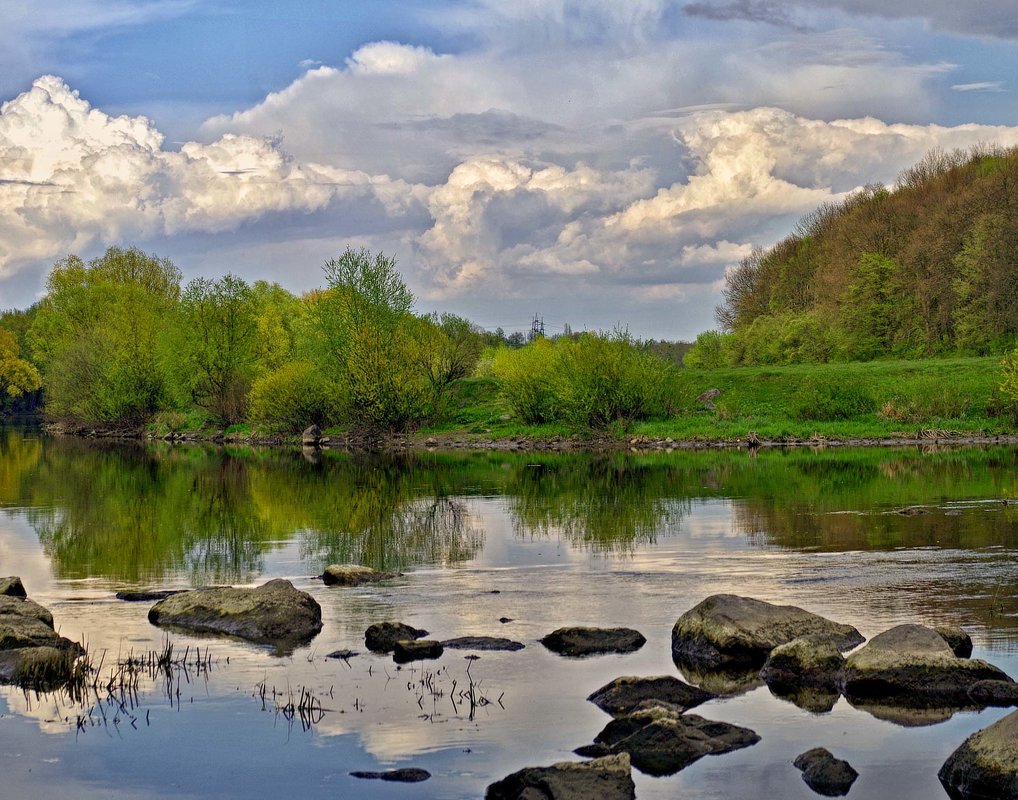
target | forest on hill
[{"x": 926, "y": 268}]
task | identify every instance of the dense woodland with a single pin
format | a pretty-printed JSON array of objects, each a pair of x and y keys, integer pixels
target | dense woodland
[{"x": 927, "y": 268}]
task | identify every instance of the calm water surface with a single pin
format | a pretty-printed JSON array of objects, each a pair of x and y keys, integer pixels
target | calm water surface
[{"x": 544, "y": 540}]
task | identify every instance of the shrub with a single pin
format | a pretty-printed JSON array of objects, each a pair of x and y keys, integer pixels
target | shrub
[
  {"x": 709, "y": 351},
  {"x": 294, "y": 396},
  {"x": 527, "y": 380}
]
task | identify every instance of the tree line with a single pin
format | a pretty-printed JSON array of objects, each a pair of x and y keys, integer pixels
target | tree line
[
  {"x": 119, "y": 341},
  {"x": 926, "y": 268}
]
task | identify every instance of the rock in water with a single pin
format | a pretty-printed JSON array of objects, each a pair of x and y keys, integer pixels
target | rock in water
[
  {"x": 352, "y": 575},
  {"x": 382, "y": 636},
  {"x": 994, "y": 693},
  {"x": 482, "y": 643},
  {"x": 32, "y": 654},
  {"x": 913, "y": 665},
  {"x": 275, "y": 613},
  {"x": 623, "y": 695},
  {"x": 986, "y": 764},
  {"x": 726, "y": 630},
  {"x": 608, "y": 778},
  {"x": 404, "y": 775},
  {"x": 312, "y": 435},
  {"x": 415, "y": 650},
  {"x": 812, "y": 661},
  {"x": 661, "y": 740},
  {"x": 824, "y": 773},
  {"x": 959, "y": 641},
  {"x": 12, "y": 587},
  {"x": 578, "y": 642},
  {"x": 146, "y": 595}
]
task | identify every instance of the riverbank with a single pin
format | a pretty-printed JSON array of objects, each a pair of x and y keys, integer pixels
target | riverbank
[{"x": 880, "y": 403}]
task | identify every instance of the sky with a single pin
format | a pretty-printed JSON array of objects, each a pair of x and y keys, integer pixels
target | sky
[{"x": 597, "y": 163}]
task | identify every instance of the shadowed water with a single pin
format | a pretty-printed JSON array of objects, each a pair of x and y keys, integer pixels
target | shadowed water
[{"x": 869, "y": 537}]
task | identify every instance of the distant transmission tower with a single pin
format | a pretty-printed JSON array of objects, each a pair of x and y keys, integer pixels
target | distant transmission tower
[{"x": 536, "y": 327}]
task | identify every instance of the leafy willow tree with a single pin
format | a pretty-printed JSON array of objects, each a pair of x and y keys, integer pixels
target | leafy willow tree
[
  {"x": 372, "y": 342},
  {"x": 216, "y": 345},
  {"x": 986, "y": 313},
  {"x": 97, "y": 335}
]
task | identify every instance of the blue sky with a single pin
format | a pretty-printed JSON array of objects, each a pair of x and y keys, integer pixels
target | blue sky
[{"x": 595, "y": 162}]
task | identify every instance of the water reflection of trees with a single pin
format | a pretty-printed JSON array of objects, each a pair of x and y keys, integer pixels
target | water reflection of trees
[{"x": 604, "y": 503}]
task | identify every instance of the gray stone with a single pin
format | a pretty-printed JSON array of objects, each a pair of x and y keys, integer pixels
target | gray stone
[
  {"x": 913, "y": 666},
  {"x": 382, "y": 636},
  {"x": 312, "y": 435},
  {"x": 809, "y": 661},
  {"x": 275, "y": 613},
  {"x": 661, "y": 740},
  {"x": 623, "y": 695},
  {"x": 32, "y": 654},
  {"x": 416, "y": 650},
  {"x": 608, "y": 778},
  {"x": 404, "y": 775},
  {"x": 578, "y": 642},
  {"x": 959, "y": 641},
  {"x": 994, "y": 693},
  {"x": 12, "y": 586},
  {"x": 728, "y": 631},
  {"x": 707, "y": 398},
  {"x": 352, "y": 575},
  {"x": 482, "y": 643},
  {"x": 986, "y": 764},
  {"x": 146, "y": 596},
  {"x": 824, "y": 773}
]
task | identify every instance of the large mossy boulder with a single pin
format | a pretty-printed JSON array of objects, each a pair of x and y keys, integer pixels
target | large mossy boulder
[
  {"x": 608, "y": 778},
  {"x": 912, "y": 665},
  {"x": 985, "y": 767},
  {"x": 32, "y": 653},
  {"x": 578, "y": 642},
  {"x": 661, "y": 740},
  {"x": 624, "y": 695},
  {"x": 275, "y": 613},
  {"x": 353, "y": 575},
  {"x": 726, "y": 631}
]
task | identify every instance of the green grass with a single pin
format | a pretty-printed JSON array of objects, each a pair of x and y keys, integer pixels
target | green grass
[{"x": 877, "y": 399}]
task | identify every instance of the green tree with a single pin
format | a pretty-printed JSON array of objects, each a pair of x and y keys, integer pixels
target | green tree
[
  {"x": 216, "y": 342},
  {"x": 17, "y": 376},
  {"x": 97, "y": 335},
  {"x": 986, "y": 313}
]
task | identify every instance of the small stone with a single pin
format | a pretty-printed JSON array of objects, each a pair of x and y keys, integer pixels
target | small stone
[
  {"x": 623, "y": 695},
  {"x": 608, "y": 778},
  {"x": 482, "y": 643},
  {"x": 578, "y": 641},
  {"x": 404, "y": 775},
  {"x": 416, "y": 650},
  {"x": 352, "y": 575},
  {"x": 344, "y": 655},
  {"x": 824, "y": 773},
  {"x": 146, "y": 596},
  {"x": 959, "y": 641},
  {"x": 12, "y": 587},
  {"x": 382, "y": 636}
]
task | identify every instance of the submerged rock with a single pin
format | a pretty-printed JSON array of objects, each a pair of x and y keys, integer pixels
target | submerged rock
[
  {"x": 342, "y": 655},
  {"x": 913, "y": 666},
  {"x": 661, "y": 740},
  {"x": 608, "y": 778},
  {"x": 482, "y": 643},
  {"x": 580, "y": 641},
  {"x": 986, "y": 764},
  {"x": 824, "y": 773},
  {"x": 415, "y": 650},
  {"x": 146, "y": 596},
  {"x": 727, "y": 630},
  {"x": 959, "y": 641},
  {"x": 730, "y": 682},
  {"x": 382, "y": 636},
  {"x": 275, "y": 613},
  {"x": 403, "y": 775},
  {"x": 12, "y": 587},
  {"x": 352, "y": 575},
  {"x": 623, "y": 695}
]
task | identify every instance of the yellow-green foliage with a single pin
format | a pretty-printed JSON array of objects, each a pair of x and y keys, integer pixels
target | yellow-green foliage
[
  {"x": 527, "y": 379},
  {"x": 294, "y": 396},
  {"x": 1009, "y": 385},
  {"x": 17, "y": 376}
]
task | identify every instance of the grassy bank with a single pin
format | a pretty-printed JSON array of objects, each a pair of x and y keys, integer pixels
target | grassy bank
[{"x": 871, "y": 400}]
